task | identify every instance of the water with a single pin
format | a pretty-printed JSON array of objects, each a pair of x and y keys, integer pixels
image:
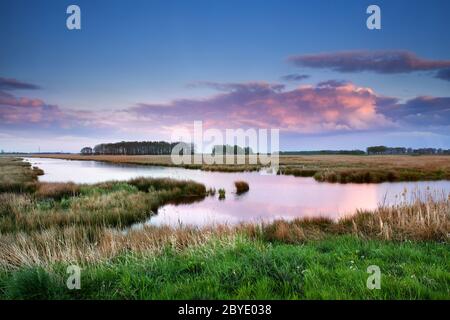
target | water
[{"x": 270, "y": 197}]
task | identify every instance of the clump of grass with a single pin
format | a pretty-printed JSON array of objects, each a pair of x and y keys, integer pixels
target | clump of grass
[
  {"x": 17, "y": 176},
  {"x": 57, "y": 191},
  {"x": 424, "y": 220},
  {"x": 211, "y": 192},
  {"x": 221, "y": 194},
  {"x": 297, "y": 172},
  {"x": 33, "y": 283},
  {"x": 241, "y": 187},
  {"x": 109, "y": 204}
]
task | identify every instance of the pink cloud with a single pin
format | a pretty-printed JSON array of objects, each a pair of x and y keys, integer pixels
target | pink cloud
[
  {"x": 327, "y": 107},
  {"x": 331, "y": 106}
]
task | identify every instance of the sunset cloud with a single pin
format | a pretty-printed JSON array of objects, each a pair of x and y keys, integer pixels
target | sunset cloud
[
  {"x": 384, "y": 62},
  {"x": 295, "y": 77},
  {"x": 329, "y": 107},
  {"x": 12, "y": 84},
  {"x": 424, "y": 111}
]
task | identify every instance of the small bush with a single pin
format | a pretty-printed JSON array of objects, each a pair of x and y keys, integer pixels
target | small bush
[
  {"x": 221, "y": 194},
  {"x": 241, "y": 186},
  {"x": 57, "y": 191}
]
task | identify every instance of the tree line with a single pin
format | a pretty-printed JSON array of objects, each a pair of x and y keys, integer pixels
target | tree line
[
  {"x": 138, "y": 148},
  {"x": 403, "y": 150}
]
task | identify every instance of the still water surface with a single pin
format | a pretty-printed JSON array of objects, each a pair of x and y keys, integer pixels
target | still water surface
[{"x": 270, "y": 197}]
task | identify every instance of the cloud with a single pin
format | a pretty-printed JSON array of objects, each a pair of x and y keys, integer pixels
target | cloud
[
  {"x": 421, "y": 111},
  {"x": 443, "y": 74},
  {"x": 13, "y": 84},
  {"x": 385, "y": 62},
  {"x": 295, "y": 77},
  {"x": 255, "y": 86},
  {"x": 329, "y": 106}
]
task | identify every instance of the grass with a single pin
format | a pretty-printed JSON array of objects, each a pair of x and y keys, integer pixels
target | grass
[
  {"x": 221, "y": 194},
  {"x": 17, "y": 176},
  {"x": 329, "y": 168},
  {"x": 241, "y": 187},
  {"x": 45, "y": 229},
  {"x": 239, "y": 268},
  {"x": 421, "y": 222},
  {"x": 108, "y": 204}
]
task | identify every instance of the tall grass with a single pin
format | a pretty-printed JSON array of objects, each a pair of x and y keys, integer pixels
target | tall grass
[
  {"x": 17, "y": 176},
  {"x": 106, "y": 204},
  {"x": 426, "y": 220}
]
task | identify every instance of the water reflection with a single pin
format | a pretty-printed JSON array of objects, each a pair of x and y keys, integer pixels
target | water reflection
[{"x": 270, "y": 197}]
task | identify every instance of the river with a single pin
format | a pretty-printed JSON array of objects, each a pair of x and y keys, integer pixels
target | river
[{"x": 270, "y": 197}]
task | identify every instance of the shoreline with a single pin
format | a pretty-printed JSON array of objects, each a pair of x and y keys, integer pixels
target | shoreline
[{"x": 325, "y": 168}]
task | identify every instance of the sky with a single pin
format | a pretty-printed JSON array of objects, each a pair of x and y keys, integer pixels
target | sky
[{"x": 138, "y": 70}]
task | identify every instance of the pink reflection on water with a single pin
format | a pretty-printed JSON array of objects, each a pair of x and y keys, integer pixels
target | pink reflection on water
[{"x": 270, "y": 197}]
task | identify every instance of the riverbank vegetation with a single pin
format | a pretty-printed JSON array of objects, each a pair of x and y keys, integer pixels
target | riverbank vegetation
[
  {"x": 107, "y": 204},
  {"x": 241, "y": 187},
  {"x": 44, "y": 230},
  {"x": 325, "y": 168}
]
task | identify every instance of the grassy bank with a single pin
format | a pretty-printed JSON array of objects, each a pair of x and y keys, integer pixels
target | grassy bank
[
  {"x": 329, "y": 168},
  {"x": 17, "y": 175},
  {"x": 239, "y": 268},
  {"x": 27, "y": 204},
  {"x": 54, "y": 225}
]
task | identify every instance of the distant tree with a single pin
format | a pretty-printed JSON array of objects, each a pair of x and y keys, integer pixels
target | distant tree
[
  {"x": 141, "y": 148},
  {"x": 231, "y": 150},
  {"x": 376, "y": 150},
  {"x": 86, "y": 150}
]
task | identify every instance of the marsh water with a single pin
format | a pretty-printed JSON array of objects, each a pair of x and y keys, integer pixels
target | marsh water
[{"x": 270, "y": 197}]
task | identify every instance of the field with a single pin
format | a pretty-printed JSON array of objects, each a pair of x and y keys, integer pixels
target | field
[
  {"x": 46, "y": 227},
  {"x": 330, "y": 168}
]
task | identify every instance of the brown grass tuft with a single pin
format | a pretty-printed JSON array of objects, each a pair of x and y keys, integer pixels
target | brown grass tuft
[{"x": 241, "y": 187}]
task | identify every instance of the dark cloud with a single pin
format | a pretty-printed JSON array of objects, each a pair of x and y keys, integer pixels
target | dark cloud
[
  {"x": 13, "y": 84},
  {"x": 386, "y": 62},
  {"x": 443, "y": 74},
  {"x": 295, "y": 77},
  {"x": 333, "y": 83},
  {"x": 256, "y": 86},
  {"x": 423, "y": 111}
]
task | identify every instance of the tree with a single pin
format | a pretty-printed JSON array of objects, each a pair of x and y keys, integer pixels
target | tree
[
  {"x": 376, "y": 150},
  {"x": 141, "y": 148},
  {"x": 86, "y": 150}
]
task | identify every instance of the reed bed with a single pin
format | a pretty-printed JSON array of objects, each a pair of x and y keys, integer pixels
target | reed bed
[{"x": 424, "y": 220}]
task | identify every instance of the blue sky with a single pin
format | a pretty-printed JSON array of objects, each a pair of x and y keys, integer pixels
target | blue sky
[{"x": 154, "y": 53}]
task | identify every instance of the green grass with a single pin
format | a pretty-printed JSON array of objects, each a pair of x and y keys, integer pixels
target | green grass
[{"x": 334, "y": 268}]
